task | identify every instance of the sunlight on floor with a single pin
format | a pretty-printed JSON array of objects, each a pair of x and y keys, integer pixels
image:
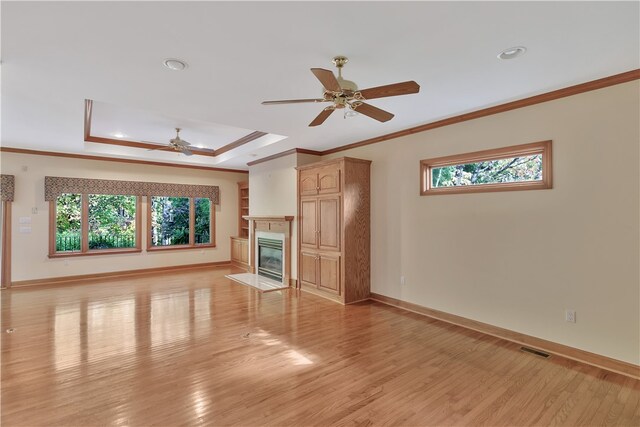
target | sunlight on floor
[{"x": 296, "y": 357}]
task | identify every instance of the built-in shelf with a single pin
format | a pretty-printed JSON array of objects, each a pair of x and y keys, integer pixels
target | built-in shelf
[{"x": 243, "y": 200}]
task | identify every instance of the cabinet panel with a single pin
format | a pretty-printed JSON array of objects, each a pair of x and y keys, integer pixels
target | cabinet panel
[
  {"x": 244, "y": 251},
  {"x": 329, "y": 222},
  {"x": 308, "y": 223},
  {"x": 329, "y": 179},
  {"x": 239, "y": 252},
  {"x": 308, "y": 268},
  {"x": 308, "y": 185},
  {"x": 235, "y": 250},
  {"x": 329, "y": 267}
]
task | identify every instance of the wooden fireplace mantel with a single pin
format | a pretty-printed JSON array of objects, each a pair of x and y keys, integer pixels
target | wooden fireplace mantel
[{"x": 273, "y": 224}]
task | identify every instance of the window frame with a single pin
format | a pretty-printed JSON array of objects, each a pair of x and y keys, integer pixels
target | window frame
[
  {"x": 192, "y": 227},
  {"x": 542, "y": 147},
  {"x": 5, "y": 263},
  {"x": 84, "y": 230}
]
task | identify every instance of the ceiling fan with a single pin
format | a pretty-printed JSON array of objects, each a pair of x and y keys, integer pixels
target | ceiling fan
[
  {"x": 345, "y": 94},
  {"x": 177, "y": 144}
]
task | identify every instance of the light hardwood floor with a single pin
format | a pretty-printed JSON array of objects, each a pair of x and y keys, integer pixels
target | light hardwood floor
[{"x": 195, "y": 348}]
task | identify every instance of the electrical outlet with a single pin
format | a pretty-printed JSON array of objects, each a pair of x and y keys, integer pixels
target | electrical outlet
[
  {"x": 570, "y": 315},
  {"x": 401, "y": 280}
]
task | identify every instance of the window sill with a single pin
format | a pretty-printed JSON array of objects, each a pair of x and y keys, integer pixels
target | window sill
[
  {"x": 487, "y": 188},
  {"x": 95, "y": 252},
  {"x": 179, "y": 247}
]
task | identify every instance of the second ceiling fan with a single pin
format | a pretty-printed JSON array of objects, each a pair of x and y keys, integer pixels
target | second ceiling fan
[{"x": 345, "y": 94}]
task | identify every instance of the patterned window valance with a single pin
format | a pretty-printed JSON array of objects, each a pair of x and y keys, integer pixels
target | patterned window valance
[
  {"x": 55, "y": 185},
  {"x": 7, "y": 187}
]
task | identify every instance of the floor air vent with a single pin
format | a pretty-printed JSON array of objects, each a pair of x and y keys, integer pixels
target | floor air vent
[{"x": 536, "y": 352}]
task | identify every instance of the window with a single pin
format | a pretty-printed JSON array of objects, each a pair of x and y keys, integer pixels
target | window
[
  {"x": 180, "y": 222},
  {"x": 69, "y": 223},
  {"x": 85, "y": 224},
  {"x": 112, "y": 221},
  {"x": 520, "y": 167},
  {"x": 203, "y": 221},
  {"x": 169, "y": 221}
]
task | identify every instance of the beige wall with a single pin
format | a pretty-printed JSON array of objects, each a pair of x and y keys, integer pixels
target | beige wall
[
  {"x": 29, "y": 251},
  {"x": 519, "y": 259}
]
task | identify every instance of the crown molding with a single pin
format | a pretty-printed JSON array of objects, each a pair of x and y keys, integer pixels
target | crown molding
[
  {"x": 285, "y": 153},
  {"x": 114, "y": 159}
]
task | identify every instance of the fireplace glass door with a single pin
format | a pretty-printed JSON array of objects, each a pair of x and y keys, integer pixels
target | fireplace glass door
[{"x": 270, "y": 258}]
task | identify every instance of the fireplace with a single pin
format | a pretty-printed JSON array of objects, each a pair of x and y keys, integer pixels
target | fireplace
[
  {"x": 270, "y": 258},
  {"x": 269, "y": 251}
]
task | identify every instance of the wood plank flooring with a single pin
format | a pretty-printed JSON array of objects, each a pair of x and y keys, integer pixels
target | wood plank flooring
[{"x": 195, "y": 348}]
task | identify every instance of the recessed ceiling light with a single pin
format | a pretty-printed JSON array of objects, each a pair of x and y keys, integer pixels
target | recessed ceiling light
[
  {"x": 512, "y": 52},
  {"x": 118, "y": 135},
  {"x": 175, "y": 64}
]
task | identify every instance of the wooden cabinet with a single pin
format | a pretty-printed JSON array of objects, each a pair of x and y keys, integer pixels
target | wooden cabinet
[
  {"x": 309, "y": 223},
  {"x": 322, "y": 180},
  {"x": 240, "y": 252},
  {"x": 320, "y": 223},
  {"x": 320, "y": 271},
  {"x": 333, "y": 229},
  {"x": 329, "y": 223}
]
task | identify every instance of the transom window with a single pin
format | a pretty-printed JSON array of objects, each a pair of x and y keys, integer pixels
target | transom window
[{"x": 520, "y": 167}]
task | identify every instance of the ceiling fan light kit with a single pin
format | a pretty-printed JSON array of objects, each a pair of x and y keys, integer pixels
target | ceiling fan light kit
[{"x": 344, "y": 94}]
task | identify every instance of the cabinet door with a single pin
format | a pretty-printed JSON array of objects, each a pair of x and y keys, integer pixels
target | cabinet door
[
  {"x": 244, "y": 251},
  {"x": 329, "y": 179},
  {"x": 308, "y": 184},
  {"x": 329, "y": 266},
  {"x": 235, "y": 250},
  {"x": 329, "y": 223},
  {"x": 308, "y": 265},
  {"x": 308, "y": 223}
]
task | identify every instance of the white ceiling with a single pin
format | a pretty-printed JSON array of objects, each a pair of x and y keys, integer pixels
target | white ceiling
[{"x": 55, "y": 55}]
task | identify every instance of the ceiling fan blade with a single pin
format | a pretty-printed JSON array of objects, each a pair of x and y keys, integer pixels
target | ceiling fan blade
[
  {"x": 294, "y": 101},
  {"x": 327, "y": 78},
  {"x": 168, "y": 147},
  {"x": 186, "y": 152},
  {"x": 180, "y": 142},
  {"x": 373, "y": 112},
  {"x": 404, "y": 88},
  {"x": 320, "y": 118}
]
